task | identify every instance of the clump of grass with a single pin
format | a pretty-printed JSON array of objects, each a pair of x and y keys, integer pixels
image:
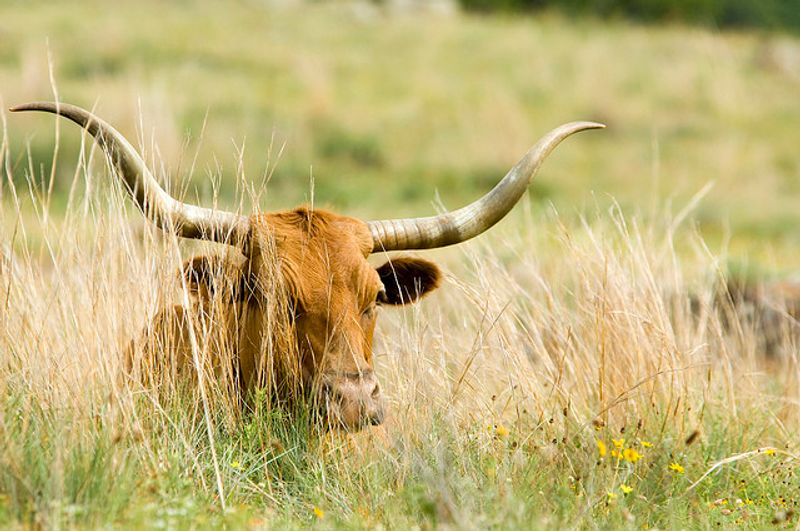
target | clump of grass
[{"x": 573, "y": 374}]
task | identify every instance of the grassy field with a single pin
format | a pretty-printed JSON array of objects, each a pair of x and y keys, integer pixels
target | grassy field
[{"x": 563, "y": 375}]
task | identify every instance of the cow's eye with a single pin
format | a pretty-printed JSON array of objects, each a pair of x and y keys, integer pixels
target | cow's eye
[
  {"x": 295, "y": 310},
  {"x": 370, "y": 310}
]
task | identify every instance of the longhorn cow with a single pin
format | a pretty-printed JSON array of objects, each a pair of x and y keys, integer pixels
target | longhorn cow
[{"x": 332, "y": 292}]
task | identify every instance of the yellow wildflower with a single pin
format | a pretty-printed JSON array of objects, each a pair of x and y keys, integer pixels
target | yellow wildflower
[
  {"x": 770, "y": 451},
  {"x": 615, "y": 454},
  {"x": 319, "y": 513},
  {"x": 236, "y": 464},
  {"x": 501, "y": 431},
  {"x": 611, "y": 496},
  {"x": 646, "y": 444},
  {"x": 675, "y": 467},
  {"x": 631, "y": 455},
  {"x": 601, "y": 448},
  {"x": 618, "y": 443},
  {"x": 625, "y": 489}
]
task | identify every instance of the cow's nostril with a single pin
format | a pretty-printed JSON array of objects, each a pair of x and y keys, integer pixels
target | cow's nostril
[
  {"x": 376, "y": 418},
  {"x": 376, "y": 391}
]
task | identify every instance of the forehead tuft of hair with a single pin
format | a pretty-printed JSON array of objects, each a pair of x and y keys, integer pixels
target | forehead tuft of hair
[{"x": 305, "y": 220}]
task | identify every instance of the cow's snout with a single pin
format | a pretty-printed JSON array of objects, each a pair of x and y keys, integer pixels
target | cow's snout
[{"x": 353, "y": 400}]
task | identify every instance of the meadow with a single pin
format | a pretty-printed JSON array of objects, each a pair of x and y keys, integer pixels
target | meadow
[{"x": 573, "y": 371}]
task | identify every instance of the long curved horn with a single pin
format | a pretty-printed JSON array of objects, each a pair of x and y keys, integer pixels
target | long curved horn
[
  {"x": 187, "y": 221},
  {"x": 467, "y": 222}
]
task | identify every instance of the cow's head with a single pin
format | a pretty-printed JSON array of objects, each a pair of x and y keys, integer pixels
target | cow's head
[
  {"x": 333, "y": 294},
  {"x": 333, "y": 291}
]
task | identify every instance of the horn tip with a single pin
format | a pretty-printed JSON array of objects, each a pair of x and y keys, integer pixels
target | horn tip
[
  {"x": 592, "y": 125},
  {"x": 23, "y": 107},
  {"x": 576, "y": 127},
  {"x": 39, "y": 106}
]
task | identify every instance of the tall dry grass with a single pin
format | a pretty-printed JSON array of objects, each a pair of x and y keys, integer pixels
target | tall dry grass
[{"x": 545, "y": 337}]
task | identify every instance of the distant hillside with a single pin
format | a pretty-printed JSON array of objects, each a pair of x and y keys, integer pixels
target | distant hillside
[{"x": 772, "y": 14}]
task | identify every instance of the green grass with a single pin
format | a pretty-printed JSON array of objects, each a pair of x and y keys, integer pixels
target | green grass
[
  {"x": 570, "y": 323},
  {"x": 278, "y": 472}
]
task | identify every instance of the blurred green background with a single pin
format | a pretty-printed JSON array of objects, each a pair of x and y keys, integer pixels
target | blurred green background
[
  {"x": 772, "y": 14},
  {"x": 394, "y": 106}
]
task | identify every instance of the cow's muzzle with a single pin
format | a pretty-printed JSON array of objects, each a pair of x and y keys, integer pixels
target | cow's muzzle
[{"x": 352, "y": 400}]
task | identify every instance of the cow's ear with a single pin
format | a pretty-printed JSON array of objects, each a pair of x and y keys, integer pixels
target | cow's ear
[
  {"x": 207, "y": 276},
  {"x": 406, "y": 279}
]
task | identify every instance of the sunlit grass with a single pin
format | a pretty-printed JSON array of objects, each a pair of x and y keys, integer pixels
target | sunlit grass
[{"x": 563, "y": 376}]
